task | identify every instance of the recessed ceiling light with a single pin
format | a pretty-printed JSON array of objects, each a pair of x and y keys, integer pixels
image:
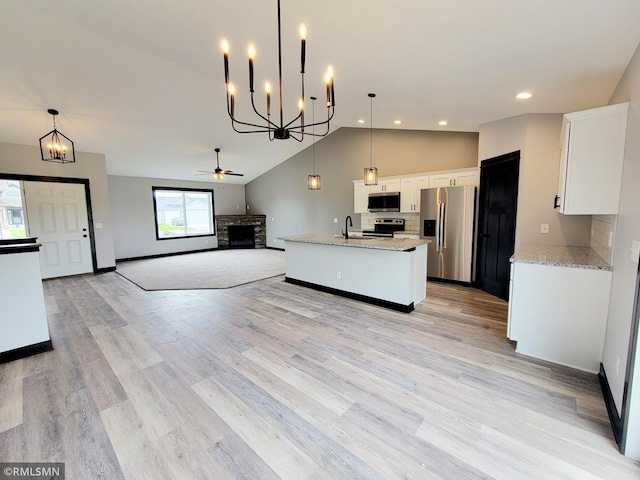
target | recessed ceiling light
[
  {"x": 397, "y": 122},
  {"x": 524, "y": 95},
  {"x": 361, "y": 121},
  {"x": 443, "y": 123}
]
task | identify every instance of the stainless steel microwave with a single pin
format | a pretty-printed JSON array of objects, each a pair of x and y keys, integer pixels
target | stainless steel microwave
[{"x": 384, "y": 202}]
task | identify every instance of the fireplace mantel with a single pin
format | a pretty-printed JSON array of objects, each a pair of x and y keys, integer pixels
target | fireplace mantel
[{"x": 259, "y": 222}]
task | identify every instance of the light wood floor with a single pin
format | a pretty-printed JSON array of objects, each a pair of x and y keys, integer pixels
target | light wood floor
[{"x": 271, "y": 380}]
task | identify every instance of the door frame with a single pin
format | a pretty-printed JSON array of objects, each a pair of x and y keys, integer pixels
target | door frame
[
  {"x": 87, "y": 195},
  {"x": 491, "y": 162}
]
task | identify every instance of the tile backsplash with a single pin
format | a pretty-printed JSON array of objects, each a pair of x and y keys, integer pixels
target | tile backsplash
[
  {"x": 603, "y": 229},
  {"x": 411, "y": 220}
]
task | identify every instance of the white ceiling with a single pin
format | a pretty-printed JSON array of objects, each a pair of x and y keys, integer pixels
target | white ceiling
[{"x": 142, "y": 80}]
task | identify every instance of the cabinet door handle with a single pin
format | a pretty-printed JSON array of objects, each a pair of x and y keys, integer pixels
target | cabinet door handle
[{"x": 555, "y": 202}]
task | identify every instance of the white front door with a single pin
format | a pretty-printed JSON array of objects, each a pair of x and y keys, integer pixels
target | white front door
[{"x": 57, "y": 215}]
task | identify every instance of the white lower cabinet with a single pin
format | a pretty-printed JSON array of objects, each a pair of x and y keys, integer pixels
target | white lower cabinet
[{"x": 559, "y": 314}]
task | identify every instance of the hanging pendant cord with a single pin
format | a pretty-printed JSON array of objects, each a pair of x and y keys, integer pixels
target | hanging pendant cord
[
  {"x": 313, "y": 132},
  {"x": 371, "y": 130}
]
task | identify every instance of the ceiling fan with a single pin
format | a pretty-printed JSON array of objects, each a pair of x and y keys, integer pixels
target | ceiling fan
[{"x": 218, "y": 173}]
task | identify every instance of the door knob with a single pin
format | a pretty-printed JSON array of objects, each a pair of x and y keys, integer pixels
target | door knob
[{"x": 85, "y": 236}]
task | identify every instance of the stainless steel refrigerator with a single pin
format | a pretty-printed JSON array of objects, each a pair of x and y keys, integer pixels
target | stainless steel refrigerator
[{"x": 447, "y": 219}]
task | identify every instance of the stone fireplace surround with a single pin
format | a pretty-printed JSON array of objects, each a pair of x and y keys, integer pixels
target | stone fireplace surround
[{"x": 259, "y": 222}]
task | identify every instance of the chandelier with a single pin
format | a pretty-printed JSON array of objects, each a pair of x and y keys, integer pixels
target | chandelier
[
  {"x": 277, "y": 129},
  {"x": 55, "y": 146}
]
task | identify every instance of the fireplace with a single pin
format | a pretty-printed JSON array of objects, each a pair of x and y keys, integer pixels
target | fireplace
[
  {"x": 225, "y": 224},
  {"x": 242, "y": 236}
]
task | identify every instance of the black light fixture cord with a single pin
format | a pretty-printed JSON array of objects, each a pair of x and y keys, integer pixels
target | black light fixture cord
[
  {"x": 313, "y": 132},
  {"x": 371, "y": 95}
]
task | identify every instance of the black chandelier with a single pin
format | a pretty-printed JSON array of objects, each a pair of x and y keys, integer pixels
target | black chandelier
[
  {"x": 295, "y": 128},
  {"x": 56, "y": 147}
]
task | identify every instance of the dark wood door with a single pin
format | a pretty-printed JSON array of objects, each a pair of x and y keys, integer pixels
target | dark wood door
[{"x": 497, "y": 203}]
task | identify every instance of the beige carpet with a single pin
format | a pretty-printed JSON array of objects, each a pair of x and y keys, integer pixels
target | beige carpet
[{"x": 214, "y": 269}]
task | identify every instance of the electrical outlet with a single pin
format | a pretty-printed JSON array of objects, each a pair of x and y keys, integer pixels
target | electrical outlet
[
  {"x": 544, "y": 228},
  {"x": 617, "y": 365},
  {"x": 275, "y": 240},
  {"x": 338, "y": 274},
  {"x": 610, "y": 240}
]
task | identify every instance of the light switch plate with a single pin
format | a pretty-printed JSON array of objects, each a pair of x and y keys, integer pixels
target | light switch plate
[{"x": 98, "y": 225}]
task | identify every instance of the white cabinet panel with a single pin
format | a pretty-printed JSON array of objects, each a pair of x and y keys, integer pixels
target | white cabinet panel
[
  {"x": 559, "y": 314},
  {"x": 466, "y": 178},
  {"x": 360, "y": 197},
  {"x": 592, "y": 156},
  {"x": 410, "y": 193},
  {"x": 453, "y": 179}
]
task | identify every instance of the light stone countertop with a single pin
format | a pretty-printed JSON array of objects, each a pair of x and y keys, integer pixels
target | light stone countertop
[
  {"x": 560, "y": 256},
  {"x": 375, "y": 243}
]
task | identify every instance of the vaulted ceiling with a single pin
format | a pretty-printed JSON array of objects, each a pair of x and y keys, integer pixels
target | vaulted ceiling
[{"x": 142, "y": 80}]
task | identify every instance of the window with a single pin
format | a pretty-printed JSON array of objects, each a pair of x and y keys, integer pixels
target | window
[
  {"x": 182, "y": 212},
  {"x": 12, "y": 221}
]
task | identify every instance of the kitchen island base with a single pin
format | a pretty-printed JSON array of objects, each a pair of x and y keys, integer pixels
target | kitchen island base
[
  {"x": 390, "y": 273},
  {"x": 23, "y": 319},
  {"x": 354, "y": 296}
]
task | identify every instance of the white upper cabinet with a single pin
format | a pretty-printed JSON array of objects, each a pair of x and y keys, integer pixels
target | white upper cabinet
[
  {"x": 410, "y": 193},
  {"x": 454, "y": 179},
  {"x": 386, "y": 185},
  {"x": 360, "y": 196},
  {"x": 591, "y": 165}
]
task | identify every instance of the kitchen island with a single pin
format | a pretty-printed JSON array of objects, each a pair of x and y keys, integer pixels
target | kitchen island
[{"x": 388, "y": 272}]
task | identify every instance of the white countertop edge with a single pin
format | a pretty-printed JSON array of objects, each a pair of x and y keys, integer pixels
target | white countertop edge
[
  {"x": 374, "y": 243},
  {"x": 560, "y": 256}
]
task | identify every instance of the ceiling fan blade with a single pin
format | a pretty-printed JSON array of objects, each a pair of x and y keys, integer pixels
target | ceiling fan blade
[
  {"x": 204, "y": 173},
  {"x": 236, "y": 174}
]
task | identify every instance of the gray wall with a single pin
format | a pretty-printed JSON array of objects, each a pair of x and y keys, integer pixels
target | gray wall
[
  {"x": 341, "y": 157},
  {"x": 623, "y": 285},
  {"x": 25, "y": 160},
  {"x": 537, "y": 136},
  {"x": 133, "y": 220}
]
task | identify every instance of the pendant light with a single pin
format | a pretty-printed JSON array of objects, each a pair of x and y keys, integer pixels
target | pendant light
[
  {"x": 371, "y": 172},
  {"x": 59, "y": 147},
  {"x": 313, "y": 183}
]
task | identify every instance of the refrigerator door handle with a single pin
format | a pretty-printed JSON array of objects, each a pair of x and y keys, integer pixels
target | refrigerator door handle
[{"x": 440, "y": 228}]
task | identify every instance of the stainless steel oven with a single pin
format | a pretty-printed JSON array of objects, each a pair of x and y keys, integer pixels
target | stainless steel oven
[{"x": 385, "y": 227}]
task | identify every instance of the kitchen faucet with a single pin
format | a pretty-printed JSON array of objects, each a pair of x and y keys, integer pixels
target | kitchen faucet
[{"x": 345, "y": 234}]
